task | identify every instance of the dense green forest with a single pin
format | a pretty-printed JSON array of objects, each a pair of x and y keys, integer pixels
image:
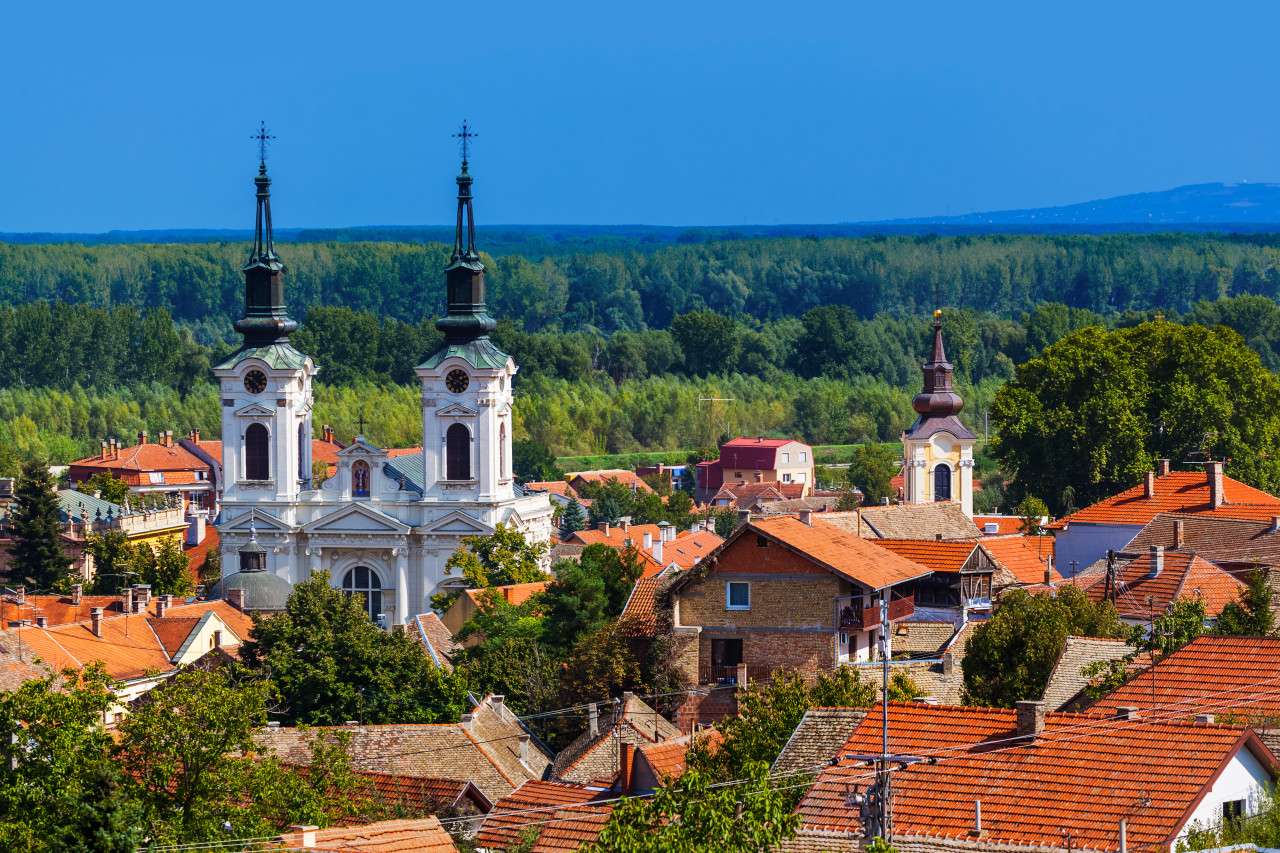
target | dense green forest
[{"x": 816, "y": 338}]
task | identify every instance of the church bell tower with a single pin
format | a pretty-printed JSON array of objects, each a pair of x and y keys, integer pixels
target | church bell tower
[{"x": 266, "y": 385}]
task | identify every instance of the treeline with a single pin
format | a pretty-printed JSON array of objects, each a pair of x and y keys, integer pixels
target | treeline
[{"x": 767, "y": 279}]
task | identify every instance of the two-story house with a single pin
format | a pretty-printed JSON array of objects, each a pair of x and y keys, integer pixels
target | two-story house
[
  {"x": 790, "y": 592},
  {"x": 757, "y": 460}
]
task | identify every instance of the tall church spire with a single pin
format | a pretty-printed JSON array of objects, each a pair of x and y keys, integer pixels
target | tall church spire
[
  {"x": 266, "y": 319},
  {"x": 467, "y": 318},
  {"x": 938, "y": 399}
]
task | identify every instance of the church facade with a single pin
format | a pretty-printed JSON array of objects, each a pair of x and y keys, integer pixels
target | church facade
[
  {"x": 937, "y": 452},
  {"x": 384, "y": 526}
]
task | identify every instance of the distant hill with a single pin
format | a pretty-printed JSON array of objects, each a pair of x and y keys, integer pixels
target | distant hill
[
  {"x": 1203, "y": 204},
  {"x": 1227, "y": 208}
]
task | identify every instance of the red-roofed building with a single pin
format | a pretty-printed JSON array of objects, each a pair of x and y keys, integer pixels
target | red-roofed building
[
  {"x": 163, "y": 467},
  {"x": 469, "y": 602},
  {"x": 1164, "y": 577},
  {"x": 745, "y": 461},
  {"x": 787, "y": 593},
  {"x": 961, "y": 580},
  {"x": 1084, "y": 537},
  {"x": 423, "y": 835},
  {"x": 531, "y": 803},
  {"x": 1038, "y": 775}
]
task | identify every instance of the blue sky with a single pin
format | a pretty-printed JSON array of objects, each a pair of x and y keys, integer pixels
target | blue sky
[{"x": 138, "y": 115}]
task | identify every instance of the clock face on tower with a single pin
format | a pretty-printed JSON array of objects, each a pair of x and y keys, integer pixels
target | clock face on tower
[
  {"x": 255, "y": 382},
  {"x": 457, "y": 381}
]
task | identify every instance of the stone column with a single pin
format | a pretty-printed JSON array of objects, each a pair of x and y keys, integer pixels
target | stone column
[
  {"x": 402, "y": 585},
  {"x": 315, "y": 552}
]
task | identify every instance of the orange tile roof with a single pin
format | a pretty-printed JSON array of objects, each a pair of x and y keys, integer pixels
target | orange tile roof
[
  {"x": 846, "y": 554},
  {"x": 128, "y": 647},
  {"x": 213, "y": 448},
  {"x": 58, "y": 609},
  {"x": 1005, "y": 524},
  {"x": 172, "y": 631},
  {"x": 1183, "y": 576},
  {"x": 198, "y": 555},
  {"x": 1025, "y": 557},
  {"x": 569, "y": 829},
  {"x": 1082, "y": 774},
  {"x": 559, "y": 487},
  {"x": 142, "y": 457},
  {"x": 669, "y": 759},
  {"x": 514, "y": 594},
  {"x": 628, "y": 478},
  {"x": 532, "y": 801},
  {"x": 1177, "y": 491},
  {"x": 941, "y": 555},
  {"x": 424, "y": 835},
  {"x": 616, "y": 537},
  {"x": 639, "y": 616},
  {"x": 690, "y": 547},
  {"x": 1236, "y": 676}
]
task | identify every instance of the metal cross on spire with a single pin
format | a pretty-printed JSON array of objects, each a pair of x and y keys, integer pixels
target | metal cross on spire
[
  {"x": 465, "y": 136},
  {"x": 262, "y": 136}
]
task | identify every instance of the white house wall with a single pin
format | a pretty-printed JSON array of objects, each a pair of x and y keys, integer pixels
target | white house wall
[{"x": 1241, "y": 779}]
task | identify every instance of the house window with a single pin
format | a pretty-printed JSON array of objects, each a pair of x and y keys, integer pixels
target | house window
[
  {"x": 844, "y": 638},
  {"x": 257, "y": 453},
  {"x": 786, "y": 478},
  {"x": 1232, "y": 812},
  {"x": 726, "y": 652},
  {"x": 942, "y": 483},
  {"x": 457, "y": 453},
  {"x": 738, "y": 474},
  {"x": 800, "y": 477},
  {"x": 365, "y": 582},
  {"x": 786, "y": 459},
  {"x": 360, "y": 479},
  {"x": 737, "y": 595},
  {"x": 761, "y": 541},
  {"x": 804, "y": 456}
]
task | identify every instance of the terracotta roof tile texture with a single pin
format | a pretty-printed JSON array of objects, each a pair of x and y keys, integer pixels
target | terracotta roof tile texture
[
  {"x": 1219, "y": 540},
  {"x": 588, "y": 757},
  {"x": 1025, "y": 557},
  {"x": 1183, "y": 576},
  {"x": 1177, "y": 491},
  {"x": 569, "y": 829},
  {"x": 668, "y": 759},
  {"x": 938, "y": 555},
  {"x": 428, "y": 630},
  {"x": 690, "y": 547},
  {"x": 843, "y": 553},
  {"x": 424, "y": 835},
  {"x": 819, "y": 737},
  {"x": 1068, "y": 678},
  {"x": 516, "y": 593},
  {"x": 145, "y": 457},
  {"x": 1005, "y": 524},
  {"x": 616, "y": 537},
  {"x": 628, "y": 478},
  {"x": 913, "y": 521},
  {"x": 922, "y": 638},
  {"x": 1081, "y": 774},
  {"x": 531, "y": 802},
  {"x": 639, "y": 615}
]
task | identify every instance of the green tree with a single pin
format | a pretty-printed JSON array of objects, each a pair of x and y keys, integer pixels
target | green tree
[
  {"x": 111, "y": 554},
  {"x": 35, "y": 523},
  {"x": 709, "y": 341},
  {"x": 694, "y": 815},
  {"x": 499, "y": 559},
  {"x": 1251, "y": 614},
  {"x": 1032, "y": 509},
  {"x": 532, "y": 460},
  {"x": 329, "y": 663},
  {"x": 100, "y": 819},
  {"x": 871, "y": 470},
  {"x": 573, "y": 519},
  {"x": 107, "y": 487},
  {"x": 680, "y": 509},
  {"x": 1009, "y": 657},
  {"x": 168, "y": 568},
  {"x": 573, "y": 605},
  {"x": 1098, "y": 408}
]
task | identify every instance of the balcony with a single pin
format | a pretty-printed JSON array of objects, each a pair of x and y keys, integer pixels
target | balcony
[
  {"x": 718, "y": 674},
  {"x": 900, "y": 608}
]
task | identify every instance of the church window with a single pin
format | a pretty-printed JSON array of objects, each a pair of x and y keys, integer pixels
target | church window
[
  {"x": 303, "y": 473},
  {"x": 942, "y": 483},
  {"x": 257, "y": 453},
  {"x": 502, "y": 450},
  {"x": 364, "y": 581},
  {"x": 457, "y": 453},
  {"x": 360, "y": 479}
]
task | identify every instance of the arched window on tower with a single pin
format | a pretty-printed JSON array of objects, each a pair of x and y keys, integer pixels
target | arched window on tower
[
  {"x": 365, "y": 582},
  {"x": 942, "y": 482},
  {"x": 257, "y": 453},
  {"x": 360, "y": 479},
  {"x": 457, "y": 442},
  {"x": 303, "y": 474},
  {"x": 502, "y": 451}
]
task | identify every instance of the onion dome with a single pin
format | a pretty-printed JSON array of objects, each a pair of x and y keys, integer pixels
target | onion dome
[{"x": 938, "y": 399}]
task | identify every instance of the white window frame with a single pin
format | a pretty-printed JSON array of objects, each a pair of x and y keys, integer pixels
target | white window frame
[
  {"x": 804, "y": 456},
  {"x": 728, "y": 597},
  {"x": 786, "y": 477},
  {"x": 786, "y": 458},
  {"x": 800, "y": 477}
]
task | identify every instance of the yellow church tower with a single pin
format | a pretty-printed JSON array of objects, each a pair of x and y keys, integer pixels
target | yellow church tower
[{"x": 937, "y": 452}]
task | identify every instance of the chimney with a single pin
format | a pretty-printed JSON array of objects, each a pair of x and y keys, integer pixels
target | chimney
[
  {"x": 194, "y": 434},
  {"x": 977, "y": 831},
  {"x": 1030, "y": 719},
  {"x": 657, "y": 551},
  {"x": 217, "y": 639},
  {"x": 95, "y": 620},
  {"x": 496, "y": 702},
  {"x": 648, "y": 540},
  {"x": 1149, "y": 485},
  {"x": 142, "y": 592},
  {"x": 1275, "y": 524},
  {"x": 105, "y": 448},
  {"x": 465, "y": 721},
  {"x": 1127, "y": 712},
  {"x": 306, "y": 834},
  {"x": 20, "y": 593},
  {"x": 43, "y": 622},
  {"x": 806, "y": 517},
  {"x": 603, "y": 527},
  {"x": 1213, "y": 473},
  {"x": 884, "y": 501},
  {"x": 1204, "y": 718},
  {"x": 1162, "y": 467},
  {"x": 593, "y": 720},
  {"x": 937, "y": 537},
  {"x": 744, "y": 516},
  {"x": 524, "y": 749},
  {"x": 235, "y": 597},
  {"x": 126, "y": 598},
  {"x": 948, "y": 664},
  {"x": 1180, "y": 531},
  {"x": 624, "y": 523},
  {"x": 625, "y": 781},
  {"x": 111, "y": 443},
  {"x": 77, "y": 593},
  {"x": 273, "y": 724},
  {"x": 142, "y": 437},
  {"x": 1157, "y": 561},
  {"x": 1124, "y": 832},
  {"x": 196, "y": 529},
  {"x": 162, "y": 605}
]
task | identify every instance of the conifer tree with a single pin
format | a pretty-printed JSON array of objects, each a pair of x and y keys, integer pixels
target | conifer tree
[
  {"x": 36, "y": 555},
  {"x": 573, "y": 519},
  {"x": 100, "y": 819}
]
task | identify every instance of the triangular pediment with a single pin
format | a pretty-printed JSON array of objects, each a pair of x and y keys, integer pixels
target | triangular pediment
[
  {"x": 362, "y": 448},
  {"x": 255, "y": 410},
  {"x": 259, "y": 519},
  {"x": 460, "y": 523},
  {"x": 358, "y": 518},
  {"x": 456, "y": 410}
]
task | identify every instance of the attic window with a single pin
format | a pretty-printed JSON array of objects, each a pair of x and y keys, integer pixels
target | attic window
[
  {"x": 737, "y": 595},
  {"x": 761, "y": 541}
]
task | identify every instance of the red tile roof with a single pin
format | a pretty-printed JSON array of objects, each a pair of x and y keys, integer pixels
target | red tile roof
[
  {"x": 514, "y": 594},
  {"x": 616, "y": 537},
  {"x": 639, "y": 616},
  {"x": 424, "y": 835},
  {"x": 669, "y": 759},
  {"x": 1025, "y": 557},
  {"x": 213, "y": 448},
  {"x": 533, "y": 801},
  {"x": 559, "y": 487},
  {"x": 940, "y": 555},
  {"x": 756, "y": 452},
  {"x": 1005, "y": 524},
  {"x": 1178, "y": 491},
  {"x": 198, "y": 555},
  {"x": 628, "y": 478},
  {"x": 142, "y": 457},
  {"x": 569, "y": 829},
  {"x": 845, "y": 554},
  {"x": 690, "y": 547},
  {"x": 1082, "y": 774},
  {"x": 1183, "y": 576}
]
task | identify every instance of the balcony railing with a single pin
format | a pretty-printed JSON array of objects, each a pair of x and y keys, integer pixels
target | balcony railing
[
  {"x": 868, "y": 618},
  {"x": 718, "y": 674}
]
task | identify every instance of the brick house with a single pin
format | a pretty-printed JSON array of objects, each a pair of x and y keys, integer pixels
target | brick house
[
  {"x": 786, "y": 592},
  {"x": 756, "y": 460}
]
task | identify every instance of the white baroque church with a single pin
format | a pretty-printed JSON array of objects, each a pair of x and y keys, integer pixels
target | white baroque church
[{"x": 382, "y": 526}]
